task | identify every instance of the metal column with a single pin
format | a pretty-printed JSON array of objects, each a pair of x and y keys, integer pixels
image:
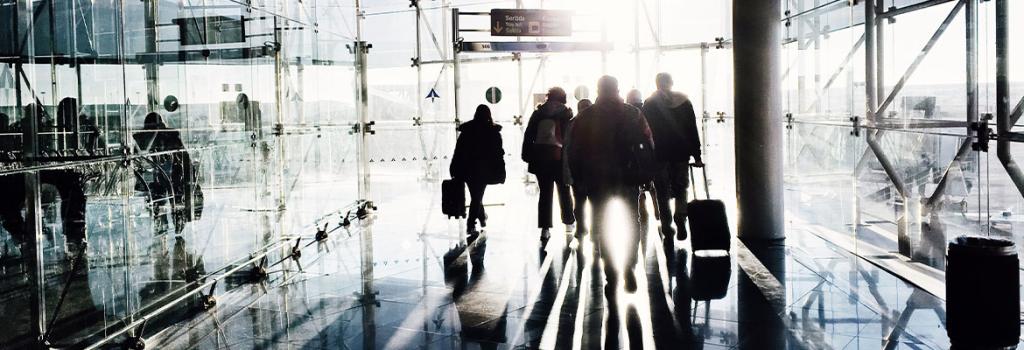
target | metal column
[
  {"x": 152, "y": 67},
  {"x": 457, "y": 45},
  {"x": 360, "y": 48},
  {"x": 1003, "y": 119},
  {"x": 757, "y": 53},
  {"x": 971, "y": 15}
]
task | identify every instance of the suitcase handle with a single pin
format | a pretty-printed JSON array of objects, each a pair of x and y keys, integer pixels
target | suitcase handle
[{"x": 704, "y": 168}]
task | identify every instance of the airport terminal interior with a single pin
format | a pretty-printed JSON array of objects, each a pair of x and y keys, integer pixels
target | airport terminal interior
[{"x": 270, "y": 174}]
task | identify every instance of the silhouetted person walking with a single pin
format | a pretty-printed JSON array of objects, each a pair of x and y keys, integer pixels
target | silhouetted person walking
[
  {"x": 478, "y": 161},
  {"x": 579, "y": 193},
  {"x": 606, "y": 139},
  {"x": 674, "y": 127},
  {"x": 542, "y": 150},
  {"x": 635, "y": 99}
]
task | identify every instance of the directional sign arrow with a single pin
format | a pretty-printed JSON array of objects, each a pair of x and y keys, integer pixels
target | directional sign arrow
[
  {"x": 432, "y": 95},
  {"x": 497, "y": 27}
]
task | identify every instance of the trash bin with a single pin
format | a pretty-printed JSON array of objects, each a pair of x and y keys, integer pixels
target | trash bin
[{"x": 982, "y": 293}]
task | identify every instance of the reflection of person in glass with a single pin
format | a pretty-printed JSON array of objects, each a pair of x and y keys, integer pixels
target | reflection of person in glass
[
  {"x": 67, "y": 183},
  {"x": 174, "y": 181}
]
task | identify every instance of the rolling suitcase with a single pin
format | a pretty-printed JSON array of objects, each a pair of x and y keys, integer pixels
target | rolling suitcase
[
  {"x": 709, "y": 226},
  {"x": 453, "y": 198}
]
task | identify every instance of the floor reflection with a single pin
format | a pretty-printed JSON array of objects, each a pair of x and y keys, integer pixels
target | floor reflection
[{"x": 403, "y": 278}]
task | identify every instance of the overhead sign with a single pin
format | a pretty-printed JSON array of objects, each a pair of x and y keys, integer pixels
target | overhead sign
[
  {"x": 520, "y": 22},
  {"x": 432, "y": 95},
  {"x": 493, "y": 95},
  {"x": 533, "y": 46}
]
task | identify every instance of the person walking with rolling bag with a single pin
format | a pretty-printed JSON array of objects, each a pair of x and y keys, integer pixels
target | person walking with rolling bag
[
  {"x": 708, "y": 220},
  {"x": 478, "y": 161},
  {"x": 674, "y": 127},
  {"x": 543, "y": 141}
]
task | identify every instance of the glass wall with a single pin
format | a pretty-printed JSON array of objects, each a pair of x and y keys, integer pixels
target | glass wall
[
  {"x": 150, "y": 148},
  {"x": 900, "y": 174}
]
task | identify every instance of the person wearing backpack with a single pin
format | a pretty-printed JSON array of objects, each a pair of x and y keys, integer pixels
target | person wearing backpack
[
  {"x": 542, "y": 150},
  {"x": 674, "y": 126},
  {"x": 610, "y": 154},
  {"x": 478, "y": 161}
]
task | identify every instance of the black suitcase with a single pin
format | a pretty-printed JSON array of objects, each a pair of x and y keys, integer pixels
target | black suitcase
[
  {"x": 453, "y": 198},
  {"x": 709, "y": 277},
  {"x": 709, "y": 226}
]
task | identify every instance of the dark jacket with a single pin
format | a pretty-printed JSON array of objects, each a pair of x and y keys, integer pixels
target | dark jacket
[
  {"x": 176, "y": 174},
  {"x": 602, "y": 142},
  {"x": 479, "y": 156},
  {"x": 543, "y": 152},
  {"x": 673, "y": 125}
]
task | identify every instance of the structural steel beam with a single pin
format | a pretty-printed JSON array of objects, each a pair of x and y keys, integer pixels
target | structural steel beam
[
  {"x": 870, "y": 94},
  {"x": 839, "y": 70},
  {"x": 920, "y": 56},
  {"x": 893, "y": 12},
  {"x": 972, "y": 103},
  {"x": 758, "y": 103}
]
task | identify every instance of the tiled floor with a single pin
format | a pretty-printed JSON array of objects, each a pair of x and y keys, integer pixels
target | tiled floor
[
  {"x": 402, "y": 278},
  {"x": 405, "y": 281}
]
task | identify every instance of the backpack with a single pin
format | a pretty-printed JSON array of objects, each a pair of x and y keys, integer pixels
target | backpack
[
  {"x": 641, "y": 164},
  {"x": 547, "y": 140}
]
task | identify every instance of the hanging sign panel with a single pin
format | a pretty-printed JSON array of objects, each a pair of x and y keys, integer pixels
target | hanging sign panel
[{"x": 520, "y": 22}]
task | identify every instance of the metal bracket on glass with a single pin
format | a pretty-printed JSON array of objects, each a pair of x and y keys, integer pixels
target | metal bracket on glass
[
  {"x": 415, "y": 62},
  {"x": 721, "y": 117},
  {"x": 789, "y": 121},
  {"x": 365, "y": 47},
  {"x": 365, "y": 210},
  {"x": 983, "y": 132},
  {"x": 297, "y": 249},
  {"x": 414, "y": 3},
  {"x": 417, "y": 121},
  {"x": 134, "y": 343},
  {"x": 517, "y": 120},
  {"x": 517, "y": 56},
  {"x": 321, "y": 234},
  {"x": 365, "y": 128},
  {"x": 855, "y": 120},
  {"x": 367, "y": 299},
  {"x": 719, "y": 43},
  {"x": 345, "y": 220},
  {"x": 208, "y": 299},
  {"x": 458, "y": 45},
  {"x": 259, "y": 270},
  {"x": 271, "y": 47}
]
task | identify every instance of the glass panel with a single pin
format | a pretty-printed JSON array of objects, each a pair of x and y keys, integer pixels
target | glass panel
[{"x": 179, "y": 141}]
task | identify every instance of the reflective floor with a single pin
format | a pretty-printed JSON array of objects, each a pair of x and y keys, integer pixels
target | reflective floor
[{"x": 401, "y": 279}]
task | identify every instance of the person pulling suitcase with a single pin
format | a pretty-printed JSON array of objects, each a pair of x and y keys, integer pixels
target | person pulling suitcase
[
  {"x": 478, "y": 161},
  {"x": 709, "y": 224}
]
